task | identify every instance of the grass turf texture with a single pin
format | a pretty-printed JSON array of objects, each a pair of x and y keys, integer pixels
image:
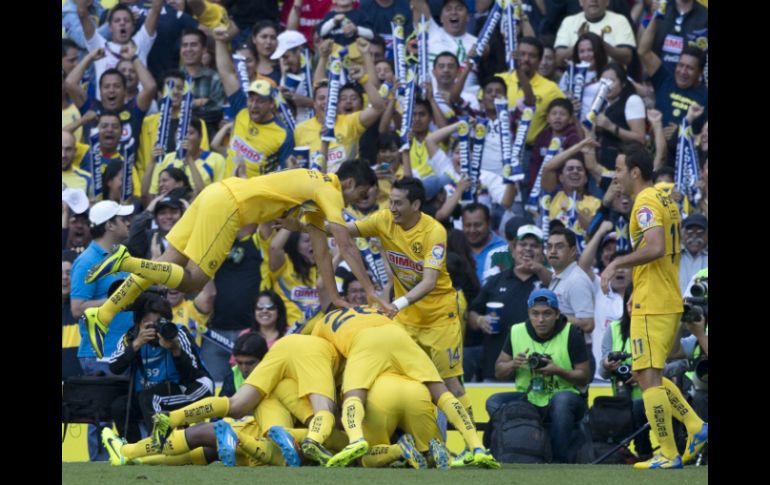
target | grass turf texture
[{"x": 86, "y": 473}]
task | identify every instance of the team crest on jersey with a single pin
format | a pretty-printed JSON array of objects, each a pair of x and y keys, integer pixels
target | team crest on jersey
[
  {"x": 253, "y": 131},
  {"x": 644, "y": 217},
  {"x": 125, "y": 116},
  {"x": 417, "y": 248}
]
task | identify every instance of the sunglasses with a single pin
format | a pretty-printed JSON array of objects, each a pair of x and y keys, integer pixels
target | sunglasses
[{"x": 265, "y": 306}]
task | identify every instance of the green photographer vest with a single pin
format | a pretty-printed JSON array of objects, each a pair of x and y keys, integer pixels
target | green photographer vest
[
  {"x": 238, "y": 378},
  {"x": 557, "y": 347},
  {"x": 618, "y": 345}
]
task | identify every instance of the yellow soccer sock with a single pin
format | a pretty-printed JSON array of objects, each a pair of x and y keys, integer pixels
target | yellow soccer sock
[
  {"x": 160, "y": 272},
  {"x": 194, "y": 457},
  {"x": 209, "y": 407},
  {"x": 337, "y": 440},
  {"x": 139, "y": 449},
  {"x": 321, "y": 426},
  {"x": 353, "y": 418},
  {"x": 260, "y": 449},
  {"x": 176, "y": 443},
  {"x": 681, "y": 409},
  {"x": 380, "y": 456},
  {"x": 455, "y": 414},
  {"x": 465, "y": 400},
  {"x": 658, "y": 411},
  {"x": 127, "y": 292}
]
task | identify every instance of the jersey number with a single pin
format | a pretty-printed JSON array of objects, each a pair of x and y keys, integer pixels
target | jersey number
[
  {"x": 454, "y": 357},
  {"x": 638, "y": 348}
]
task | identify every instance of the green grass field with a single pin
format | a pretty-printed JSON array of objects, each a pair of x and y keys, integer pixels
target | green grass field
[{"x": 87, "y": 473}]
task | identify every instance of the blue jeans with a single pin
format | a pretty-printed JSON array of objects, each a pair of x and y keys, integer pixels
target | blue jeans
[
  {"x": 561, "y": 416},
  {"x": 96, "y": 452}
]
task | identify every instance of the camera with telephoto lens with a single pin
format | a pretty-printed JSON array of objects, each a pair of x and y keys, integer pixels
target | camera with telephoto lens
[
  {"x": 622, "y": 374},
  {"x": 166, "y": 329},
  {"x": 618, "y": 356},
  {"x": 538, "y": 361},
  {"x": 695, "y": 308}
]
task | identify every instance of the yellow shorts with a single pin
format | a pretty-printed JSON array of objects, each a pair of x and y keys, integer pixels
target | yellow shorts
[
  {"x": 396, "y": 401},
  {"x": 207, "y": 230},
  {"x": 652, "y": 338},
  {"x": 388, "y": 348},
  {"x": 309, "y": 360},
  {"x": 443, "y": 342},
  {"x": 298, "y": 407}
]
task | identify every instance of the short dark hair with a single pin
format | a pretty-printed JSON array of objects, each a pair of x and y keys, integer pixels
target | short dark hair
[
  {"x": 378, "y": 40},
  {"x": 67, "y": 44},
  {"x": 117, "y": 8},
  {"x": 447, "y": 2},
  {"x": 425, "y": 104},
  {"x": 349, "y": 279},
  {"x": 474, "y": 206},
  {"x": 493, "y": 79},
  {"x": 388, "y": 140},
  {"x": 178, "y": 175},
  {"x": 251, "y": 344},
  {"x": 445, "y": 54},
  {"x": 150, "y": 302},
  {"x": 638, "y": 156},
  {"x": 113, "y": 72},
  {"x": 355, "y": 87},
  {"x": 535, "y": 42},
  {"x": 198, "y": 33},
  {"x": 107, "y": 113},
  {"x": 567, "y": 233},
  {"x": 413, "y": 187},
  {"x": 695, "y": 52},
  {"x": 561, "y": 103},
  {"x": 663, "y": 171},
  {"x": 196, "y": 123},
  {"x": 170, "y": 74},
  {"x": 359, "y": 171}
]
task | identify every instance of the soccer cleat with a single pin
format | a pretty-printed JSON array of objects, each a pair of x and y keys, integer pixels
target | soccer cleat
[
  {"x": 285, "y": 442},
  {"x": 353, "y": 451},
  {"x": 315, "y": 451},
  {"x": 109, "y": 265},
  {"x": 439, "y": 453},
  {"x": 114, "y": 446},
  {"x": 409, "y": 452},
  {"x": 659, "y": 461},
  {"x": 465, "y": 458},
  {"x": 695, "y": 444},
  {"x": 95, "y": 328},
  {"x": 160, "y": 429},
  {"x": 484, "y": 459},
  {"x": 227, "y": 440}
]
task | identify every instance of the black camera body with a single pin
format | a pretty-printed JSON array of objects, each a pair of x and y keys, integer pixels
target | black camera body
[
  {"x": 623, "y": 373},
  {"x": 618, "y": 356},
  {"x": 537, "y": 360},
  {"x": 695, "y": 307},
  {"x": 166, "y": 329}
]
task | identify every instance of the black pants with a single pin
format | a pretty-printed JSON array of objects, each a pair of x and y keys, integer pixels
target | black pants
[{"x": 165, "y": 396}]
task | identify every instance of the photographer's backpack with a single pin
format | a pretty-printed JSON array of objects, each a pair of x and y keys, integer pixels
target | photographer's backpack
[
  {"x": 608, "y": 422},
  {"x": 88, "y": 399},
  {"x": 518, "y": 435}
]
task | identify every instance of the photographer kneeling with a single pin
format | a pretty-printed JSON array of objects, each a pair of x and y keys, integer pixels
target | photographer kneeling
[
  {"x": 551, "y": 364},
  {"x": 616, "y": 366},
  {"x": 169, "y": 373}
]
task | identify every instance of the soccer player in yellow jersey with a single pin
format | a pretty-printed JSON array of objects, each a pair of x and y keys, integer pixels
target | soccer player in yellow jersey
[
  {"x": 313, "y": 371},
  {"x": 373, "y": 346},
  {"x": 657, "y": 305},
  {"x": 258, "y": 138},
  {"x": 201, "y": 240},
  {"x": 426, "y": 303}
]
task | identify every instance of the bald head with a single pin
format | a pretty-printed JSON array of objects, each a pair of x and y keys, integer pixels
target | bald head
[{"x": 67, "y": 149}]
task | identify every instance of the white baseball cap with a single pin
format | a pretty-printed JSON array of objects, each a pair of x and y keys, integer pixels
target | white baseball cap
[
  {"x": 76, "y": 199},
  {"x": 105, "y": 210},
  {"x": 288, "y": 39}
]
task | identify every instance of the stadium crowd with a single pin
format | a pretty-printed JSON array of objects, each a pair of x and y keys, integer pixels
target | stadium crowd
[{"x": 475, "y": 143}]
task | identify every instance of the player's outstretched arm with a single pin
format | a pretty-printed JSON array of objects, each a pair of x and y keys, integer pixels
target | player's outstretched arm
[
  {"x": 428, "y": 283},
  {"x": 324, "y": 263},
  {"x": 654, "y": 248}
]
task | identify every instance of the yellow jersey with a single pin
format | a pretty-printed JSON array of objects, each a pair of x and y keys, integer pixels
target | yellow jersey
[
  {"x": 210, "y": 165},
  {"x": 213, "y": 15},
  {"x": 408, "y": 253},
  {"x": 69, "y": 115},
  {"x": 656, "y": 284},
  {"x": 75, "y": 178},
  {"x": 545, "y": 91},
  {"x": 418, "y": 157},
  {"x": 148, "y": 138},
  {"x": 301, "y": 297},
  {"x": 341, "y": 327},
  {"x": 187, "y": 314},
  {"x": 264, "y": 147},
  {"x": 347, "y": 131},
  {"x": 296, "y": 193}
]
